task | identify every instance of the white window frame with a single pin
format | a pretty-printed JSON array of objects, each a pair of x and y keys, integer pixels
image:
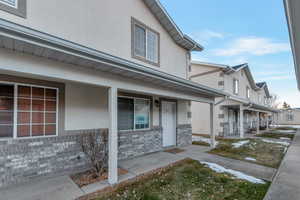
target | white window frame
[
  {"x": 248, "y": 92},
  {"x": 236, "y": 86},
  {"x": 15, "y": 119},
  {"x": 15, "y": 5},
  {"x": 147, "y": 29},
  {"x": 149, "y": 114}
]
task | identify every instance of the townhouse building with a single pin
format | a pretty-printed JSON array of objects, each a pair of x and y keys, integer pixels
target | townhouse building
[
  {"x": 246, "y": 107},
  {"x": 69, "y": 68}
]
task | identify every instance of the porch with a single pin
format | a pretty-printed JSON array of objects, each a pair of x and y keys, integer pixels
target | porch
[{"x": 253, "y": 120}]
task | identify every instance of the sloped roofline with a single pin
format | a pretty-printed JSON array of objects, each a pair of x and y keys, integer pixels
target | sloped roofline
[{"x": 170, "y": 26}]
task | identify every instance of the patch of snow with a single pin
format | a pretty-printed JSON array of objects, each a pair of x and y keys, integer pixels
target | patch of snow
[
  {"x": 219, "y": 169},
  {"x": 202, "y": 139},
  {"x": 276, "y": 142},
  {"x": 285, "y": 131},
  {"x": 285, "y": 138},
  {"x": 240, "y": 143},
  {"x": 250, "y": 159}
]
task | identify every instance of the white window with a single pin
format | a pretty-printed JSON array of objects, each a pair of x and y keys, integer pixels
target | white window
[
  {"x": 235, "y": 86},
  {"x": 248, "y": 92},
  {"x": 145, "y": 43},
  {"x": 27, "y": 111},
  {"x": 12, "y": 3},
  {"x": 133, "y": 113},
  {"x": 290, "y": 116}
]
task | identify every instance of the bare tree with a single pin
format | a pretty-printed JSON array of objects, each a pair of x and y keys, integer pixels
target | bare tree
[
  {"x": 274, "y": 103},
  {"x": 95, "y": 147}
]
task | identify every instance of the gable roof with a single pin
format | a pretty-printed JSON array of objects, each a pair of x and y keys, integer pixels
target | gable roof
[
  {"x": 174, "y": 31},
  {"x": 232, "y": 69}
]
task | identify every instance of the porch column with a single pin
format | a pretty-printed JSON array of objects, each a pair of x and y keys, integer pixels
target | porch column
[
  {"x": 113, "y": 136},
  {"x": 267, "y": 122},
  {"x": 212, "y": 125},
  {"x": 258, "y": 123},
  {"x": 241, "y": 121}
]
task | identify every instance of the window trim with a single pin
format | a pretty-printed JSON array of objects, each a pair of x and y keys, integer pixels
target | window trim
[
  {"x": 248, "y": 92},
  {"x": 15, "y": 118},
  {"x": 234, "y": 86},
  {"x": 133, "y": 55},
  {"x": 20, "y": 9},
  {"x": 149, "y": 115}
]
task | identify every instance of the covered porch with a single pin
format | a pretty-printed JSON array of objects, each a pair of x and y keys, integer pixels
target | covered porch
[{"x": 241, "y": 119}]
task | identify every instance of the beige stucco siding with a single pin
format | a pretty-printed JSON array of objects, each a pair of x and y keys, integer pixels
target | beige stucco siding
[
  {"x": 200, "y": 118},
  {"x": 85, "y": 107},
  {"x": 283, "y": 118},
  {"x": 103, "y": 25}
]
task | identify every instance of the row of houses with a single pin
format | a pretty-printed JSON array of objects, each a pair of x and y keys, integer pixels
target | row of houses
[{"x": 73, "y": 67}]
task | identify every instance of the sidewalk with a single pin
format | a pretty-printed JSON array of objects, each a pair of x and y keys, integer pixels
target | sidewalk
[{"x": 286, "y": 185}]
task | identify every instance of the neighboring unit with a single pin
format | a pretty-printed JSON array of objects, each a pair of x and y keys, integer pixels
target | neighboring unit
[
  {"x": 289, "y": 116},
  {"x": 73, "y": 67},
  {"x": 245, "y": 109}
]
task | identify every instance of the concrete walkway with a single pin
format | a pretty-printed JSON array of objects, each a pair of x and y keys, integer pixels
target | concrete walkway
[
  {"x": 258, "y": 171},
  {"x": 59, "y": 188},
  {"x": 286, "y": 185}
]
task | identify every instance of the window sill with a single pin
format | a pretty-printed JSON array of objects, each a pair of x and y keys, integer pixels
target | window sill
[{"x": 146, "y": 61}]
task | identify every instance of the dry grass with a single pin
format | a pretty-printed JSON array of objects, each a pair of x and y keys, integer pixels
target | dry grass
[
  {"x": 186, "y": 180},
  {"x": 267, "y": 154},
  {"x": 276, "y": 135},
  {"x": 200, "y": 143}
]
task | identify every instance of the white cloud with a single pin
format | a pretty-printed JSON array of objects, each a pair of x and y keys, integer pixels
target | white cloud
[
  {"x": 254, "y": 46},
  {"x": 278, "y": 78},
  {"x": 203, "y": 37}
]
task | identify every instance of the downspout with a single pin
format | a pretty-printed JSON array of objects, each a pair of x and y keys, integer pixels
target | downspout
[{"x": 189, "y": 62}]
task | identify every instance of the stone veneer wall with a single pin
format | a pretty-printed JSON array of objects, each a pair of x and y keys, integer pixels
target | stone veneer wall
[
  {"x": 137, "y": 143},
  {"x": 184, "y": 135},
  {"x": 24, "y": 159}
]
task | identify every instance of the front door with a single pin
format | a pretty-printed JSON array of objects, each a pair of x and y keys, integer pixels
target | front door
[{"x": 168, "y": 119}]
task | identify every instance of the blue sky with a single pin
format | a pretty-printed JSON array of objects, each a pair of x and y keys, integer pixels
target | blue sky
[{"x": 234, "y": 32}]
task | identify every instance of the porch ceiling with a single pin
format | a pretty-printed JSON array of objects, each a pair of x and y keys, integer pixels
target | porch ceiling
[{"x": 23, "y": 39}]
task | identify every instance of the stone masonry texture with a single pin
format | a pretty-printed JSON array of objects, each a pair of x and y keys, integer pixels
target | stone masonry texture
[
  {"x": 22, "y": 160},
  {"x": 184, "y": 135}
]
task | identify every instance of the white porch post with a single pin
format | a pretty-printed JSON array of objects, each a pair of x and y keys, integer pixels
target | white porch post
[
  {"x": 113, "y": 136},
  {"x": 257, "y": 124},
  {"x": 267, "y": 122},
  {"x": 212, "y": 125},
  {"x": 241, "y": 121}
]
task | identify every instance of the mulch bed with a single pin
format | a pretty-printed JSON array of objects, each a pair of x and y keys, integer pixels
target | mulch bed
[
  {"x": 174, "y": 150},
  {"x": 88, "y": 177},
  {"x": 112, "y": 189}
]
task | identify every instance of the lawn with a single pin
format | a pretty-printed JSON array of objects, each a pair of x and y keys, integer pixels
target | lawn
[
  {"x": 276, "y": 135},
  {"x": 259, "y": 151},
  {"x": 188, "y": 180}
]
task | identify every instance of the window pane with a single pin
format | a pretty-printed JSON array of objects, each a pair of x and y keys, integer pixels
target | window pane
[
  {"x": 24, "y": 91},
  {"x": 37, "y": 118},
  {"x": 38, "y": 105},
  {"x": 37, "y": 130},
  {"x": 50, "y": 94},
  {"x": 6, "y": 131},
  {"x": 50, "y": 118},
  {"x": 142, "y": 111},
  {"x": 23, "y": 117},
  {"x": 23, "y": 130},
  {"x": 51, "y": 106},
  {"x": 152, "y": 46},
  {"x": 6, "y": 90},
  {"x": 6, "y": 103},
  {"x": 125, "y": 114},
  {"x": 139, "y": 41},
  {"x": 24, "y": 104},
  {"x": 38, "y": 93},
  {"x": 6, "y": 118},
  {"x": 50, "y": 130}
]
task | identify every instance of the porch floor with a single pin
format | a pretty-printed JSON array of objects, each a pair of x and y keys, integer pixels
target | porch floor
[{"x": 62, "y": 188}]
